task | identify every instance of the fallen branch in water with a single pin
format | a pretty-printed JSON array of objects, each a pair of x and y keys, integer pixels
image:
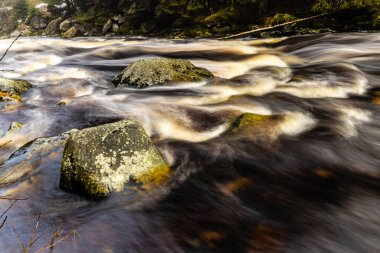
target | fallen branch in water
[
  {"x": 13, "y": 42},
  {"x": 268, "y": 28}
]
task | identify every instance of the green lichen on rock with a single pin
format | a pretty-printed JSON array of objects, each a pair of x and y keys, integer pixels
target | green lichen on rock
[
  {"x": 11, "y": 90},
  {"x": 160, "y": 71},
  {"x": 100, "y": 160}
]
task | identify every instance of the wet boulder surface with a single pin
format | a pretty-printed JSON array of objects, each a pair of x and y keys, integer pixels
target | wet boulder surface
[
  {"x": 104, "y": 159},
  {"x": 160, "y": 71}
]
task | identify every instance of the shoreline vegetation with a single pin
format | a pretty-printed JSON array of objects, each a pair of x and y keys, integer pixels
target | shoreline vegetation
[{"x": 186, "y": 19}]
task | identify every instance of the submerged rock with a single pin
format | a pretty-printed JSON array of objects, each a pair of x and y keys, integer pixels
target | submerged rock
[
  {"x": 100, "y": 160},
  {"x": 28, "y": 150},
  {"x": 257, "y": 124},
  {"x": 11, "y": 90},
  {"x": 160, "y": 71},
  {"x": 29, "y": 156},
  {"x": 266, "y": 129}
]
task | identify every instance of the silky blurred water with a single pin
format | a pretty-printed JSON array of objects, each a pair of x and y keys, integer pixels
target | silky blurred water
[{"x": 309, "y": 183}]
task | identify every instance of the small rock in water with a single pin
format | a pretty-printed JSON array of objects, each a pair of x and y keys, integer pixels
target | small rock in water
[
  {"x": 100, "y": 160},
  {"x": 255, "y": 126},
  {"x": 160, "y": 71},
  {"x": 11, "y": 90},
  {"x": 13, "y": 128}
]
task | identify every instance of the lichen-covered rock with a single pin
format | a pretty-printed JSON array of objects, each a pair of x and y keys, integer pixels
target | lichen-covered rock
[
  {"x": 53, "y": 27},
  {"x": 100, "y": 160},
  {"x": 160, "y": 71},
  {"x": 11, "y": 90}
]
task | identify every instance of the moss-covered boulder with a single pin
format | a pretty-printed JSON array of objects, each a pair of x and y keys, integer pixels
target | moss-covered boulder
[
  {"x": 11, "y": 90},
  {"x": 100, "y": 160},
  {"x": 160, "y": 71}
]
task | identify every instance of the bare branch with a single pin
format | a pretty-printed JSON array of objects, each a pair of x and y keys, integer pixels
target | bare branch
[
  {"x": 6, "y": 51},
  {"x": 2, "y": 224},
  {"x": 14, "y": 202},
  {"x": 274, "y": 27}
]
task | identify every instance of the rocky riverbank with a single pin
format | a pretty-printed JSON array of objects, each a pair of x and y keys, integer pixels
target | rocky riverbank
[{"x": 145, "y": 20}]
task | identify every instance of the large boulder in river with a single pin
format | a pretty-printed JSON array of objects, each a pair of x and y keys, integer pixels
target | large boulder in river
[
  {"x": 160, "y": 71},
  {"x": 11, "y": 90},
  {"x": 100, "y": 160}
]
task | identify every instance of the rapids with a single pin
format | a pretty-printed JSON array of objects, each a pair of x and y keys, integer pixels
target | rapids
[{"x": 313, "y": 186}]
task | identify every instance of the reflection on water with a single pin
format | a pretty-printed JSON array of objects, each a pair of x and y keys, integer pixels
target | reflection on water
[{"x": 307, "y": 183}]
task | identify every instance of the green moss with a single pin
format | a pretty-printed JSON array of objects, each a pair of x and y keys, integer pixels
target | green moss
[
  {"x": 279, "y": 18},
  {"x": 223, "y": 16}
]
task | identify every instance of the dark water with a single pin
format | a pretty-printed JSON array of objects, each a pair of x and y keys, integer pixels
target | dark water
[{"x": 310, "y": 183}]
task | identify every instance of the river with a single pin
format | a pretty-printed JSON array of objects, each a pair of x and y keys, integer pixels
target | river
[{"x": 310, "y": 183}]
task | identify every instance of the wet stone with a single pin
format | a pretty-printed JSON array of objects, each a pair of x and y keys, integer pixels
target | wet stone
[{"x": 100, "y": 160}]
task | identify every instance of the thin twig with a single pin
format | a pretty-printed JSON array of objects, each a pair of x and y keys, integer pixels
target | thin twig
[
  {"x": 33, "y": 236},
  {"x": 6, "y": 51},
  {"x": 19, "y": 241},
  {"x": 14, "y": 202},
  {"x": 275, "y": 26},
  {"x": 2, "y": 224},
  {"x": 55, "y": 243}
]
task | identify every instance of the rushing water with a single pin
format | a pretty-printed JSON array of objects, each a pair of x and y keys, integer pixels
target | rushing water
[{"x": 307, "y": 184}]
